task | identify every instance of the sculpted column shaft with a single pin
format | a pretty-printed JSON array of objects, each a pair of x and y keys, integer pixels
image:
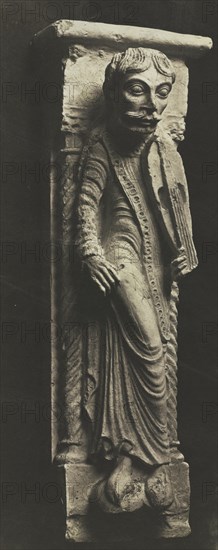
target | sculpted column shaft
[{"x": 121, "y": 213}]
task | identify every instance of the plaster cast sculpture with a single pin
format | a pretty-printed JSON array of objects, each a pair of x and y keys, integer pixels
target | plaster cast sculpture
[{"x": 124, "y": 206}]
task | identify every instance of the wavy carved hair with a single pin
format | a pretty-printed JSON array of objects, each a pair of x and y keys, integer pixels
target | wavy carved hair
[{"x": 135, "y": 60}]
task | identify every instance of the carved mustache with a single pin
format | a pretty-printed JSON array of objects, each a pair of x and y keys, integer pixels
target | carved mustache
[{"x": 143, "y": 116}]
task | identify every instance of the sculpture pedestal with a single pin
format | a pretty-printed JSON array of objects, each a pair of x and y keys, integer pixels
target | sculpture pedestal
[{"x": 85, "y": 522}]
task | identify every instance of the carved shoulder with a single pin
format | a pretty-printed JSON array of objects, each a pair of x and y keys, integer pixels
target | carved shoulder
[{"x": 93, "y": 154}]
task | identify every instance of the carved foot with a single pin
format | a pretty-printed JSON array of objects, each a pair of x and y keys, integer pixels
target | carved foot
[
  {"x": 158, "y": 488},
  {"x": 123, "y": 491}
]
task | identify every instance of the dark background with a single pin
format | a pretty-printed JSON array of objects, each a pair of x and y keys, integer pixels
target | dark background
[{"x": 33, "y": 522}]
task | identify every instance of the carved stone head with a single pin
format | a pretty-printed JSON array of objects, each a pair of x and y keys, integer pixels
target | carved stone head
[{"x": 136, "y": 88}]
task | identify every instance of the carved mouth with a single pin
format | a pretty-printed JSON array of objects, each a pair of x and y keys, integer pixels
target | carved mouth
[{"x": 141, "y": 119}]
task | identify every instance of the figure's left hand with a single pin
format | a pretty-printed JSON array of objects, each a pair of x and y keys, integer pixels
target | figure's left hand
[{"x": 179, "y": 266}]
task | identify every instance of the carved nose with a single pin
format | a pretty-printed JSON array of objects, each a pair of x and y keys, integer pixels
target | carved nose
[
  {"x": 150, "y": 104},
  {"x": 151, "y": 108}
]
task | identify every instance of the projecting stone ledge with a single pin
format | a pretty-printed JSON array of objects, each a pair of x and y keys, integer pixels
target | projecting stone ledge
[{"x": 117, "y": 36}]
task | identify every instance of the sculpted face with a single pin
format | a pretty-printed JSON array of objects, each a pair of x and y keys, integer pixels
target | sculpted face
[{"x": 142, "y": 99}]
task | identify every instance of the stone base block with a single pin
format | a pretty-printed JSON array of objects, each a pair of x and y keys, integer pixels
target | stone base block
[
  {"x": 85, "y": 522},
  {"x": 174, "y": 522}
]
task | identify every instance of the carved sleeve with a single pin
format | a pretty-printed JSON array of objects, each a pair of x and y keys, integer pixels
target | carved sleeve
[{"x": 94, "y": 179}]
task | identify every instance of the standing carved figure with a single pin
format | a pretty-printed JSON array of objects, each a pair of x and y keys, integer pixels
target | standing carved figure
[{"x": 134, "y": 241}]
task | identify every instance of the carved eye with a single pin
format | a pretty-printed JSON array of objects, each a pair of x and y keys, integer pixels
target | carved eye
[
  {"x": 136, "y": 89},
  {"x": 163, "y": 91}
]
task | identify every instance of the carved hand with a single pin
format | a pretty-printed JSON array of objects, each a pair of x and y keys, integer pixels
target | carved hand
[
  {"x": 102, "y": 273},
  {"x": 179, "y": 265}
]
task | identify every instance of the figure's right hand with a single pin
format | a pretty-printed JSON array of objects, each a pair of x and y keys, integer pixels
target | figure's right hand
[
  {"x": 179, "y": 265},
  {"x": 102, "y": 273}
]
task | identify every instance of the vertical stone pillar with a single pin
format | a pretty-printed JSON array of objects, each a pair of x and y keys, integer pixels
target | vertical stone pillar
[{"x": 74, "y": 55}]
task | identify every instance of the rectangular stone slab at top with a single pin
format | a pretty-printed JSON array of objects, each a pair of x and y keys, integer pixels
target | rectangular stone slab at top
[{"x": 123, "y": 36}]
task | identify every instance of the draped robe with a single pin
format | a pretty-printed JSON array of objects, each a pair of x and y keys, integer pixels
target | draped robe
[{"x": 126, "y": 400}]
